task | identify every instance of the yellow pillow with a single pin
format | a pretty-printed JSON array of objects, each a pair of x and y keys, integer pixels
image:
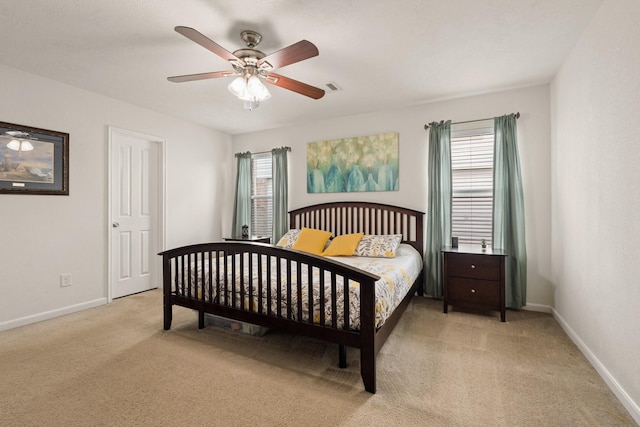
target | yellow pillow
[
  {"x": 311, "y": 240},
  {"x": 344, "y": 245}
]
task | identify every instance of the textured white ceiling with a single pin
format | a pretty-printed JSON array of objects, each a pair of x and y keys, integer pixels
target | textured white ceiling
[{"x": 383, "y": 54}]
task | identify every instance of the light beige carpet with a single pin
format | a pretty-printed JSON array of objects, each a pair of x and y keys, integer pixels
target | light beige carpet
[{"x": 114, "y": 366}]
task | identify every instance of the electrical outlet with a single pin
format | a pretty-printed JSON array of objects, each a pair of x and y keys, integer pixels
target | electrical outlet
[{"x": 65, "y": 280}]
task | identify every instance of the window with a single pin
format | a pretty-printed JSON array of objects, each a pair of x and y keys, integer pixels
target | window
[
  {"x": 261, "y": 194},
  {"x": 472, "y": 181}
]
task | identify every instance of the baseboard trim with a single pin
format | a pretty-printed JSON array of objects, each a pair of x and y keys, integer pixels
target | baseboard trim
[
  {"x": 538, "y": 307},
  {"x": 624, "y": 398},
  {"x": 39, "y": 317}
]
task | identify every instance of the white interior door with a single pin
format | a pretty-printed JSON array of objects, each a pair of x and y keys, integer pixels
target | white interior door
[{"x": 134, "y": 213}]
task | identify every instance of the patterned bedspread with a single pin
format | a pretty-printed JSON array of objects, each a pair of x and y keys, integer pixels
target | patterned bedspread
[{"x": 396, "y": 277}]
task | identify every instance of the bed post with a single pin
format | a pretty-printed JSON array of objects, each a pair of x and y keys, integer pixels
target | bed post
[
  {"x": 200, "y": 319},
  {"x": 342, "y": 356},
  {"x": 367, "y": 335},
  {"x": 420, "y": 281},
  {"x": 166, "y": 289}
]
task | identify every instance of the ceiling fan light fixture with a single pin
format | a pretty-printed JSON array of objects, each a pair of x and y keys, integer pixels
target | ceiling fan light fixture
[
  {"x": 238, "y": 86},
  {"x": 250, "y": 90},
  {"x": 256, "y": 89}
]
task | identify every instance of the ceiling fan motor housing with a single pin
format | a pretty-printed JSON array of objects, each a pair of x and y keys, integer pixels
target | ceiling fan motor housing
[{"x": 249, "y": 55}]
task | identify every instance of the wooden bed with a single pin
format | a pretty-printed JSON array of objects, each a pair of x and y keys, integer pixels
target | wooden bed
[{"x": 216, "y": 294}]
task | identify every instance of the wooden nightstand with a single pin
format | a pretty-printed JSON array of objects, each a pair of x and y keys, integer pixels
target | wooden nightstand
[
  {"x": 258, "y": 239},
  {"x": 474, "y": 278}
]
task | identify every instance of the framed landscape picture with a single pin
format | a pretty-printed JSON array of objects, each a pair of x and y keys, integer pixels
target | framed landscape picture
[{"x": 33, "y": 160}]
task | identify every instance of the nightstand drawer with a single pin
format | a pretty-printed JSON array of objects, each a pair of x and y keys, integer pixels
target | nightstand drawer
[
  {"x": 473, "y": 292},
  {"x": 474, "y": 266}
]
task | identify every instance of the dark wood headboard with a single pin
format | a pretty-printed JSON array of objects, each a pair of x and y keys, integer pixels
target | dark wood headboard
[{"x": 370, "y": 218}]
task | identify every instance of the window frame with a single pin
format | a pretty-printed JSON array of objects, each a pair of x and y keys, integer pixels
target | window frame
[
  {"x": 260, "y": 163},
  {"x": 472, "y": 147}
]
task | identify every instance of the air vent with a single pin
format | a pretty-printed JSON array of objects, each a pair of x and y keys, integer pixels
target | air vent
[{"x": 332, "y": 87}]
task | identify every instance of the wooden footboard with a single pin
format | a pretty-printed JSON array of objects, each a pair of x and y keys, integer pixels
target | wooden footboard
[{"x": 273, "y": 287}]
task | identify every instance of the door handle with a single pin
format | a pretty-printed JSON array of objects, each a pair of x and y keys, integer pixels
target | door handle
[{"x": 115, "y": 225}]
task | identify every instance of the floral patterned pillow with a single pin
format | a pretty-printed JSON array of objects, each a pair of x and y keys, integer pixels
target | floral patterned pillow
[
  {"x": 289, "y": 238},
  {"x": 382, "y": 246}
]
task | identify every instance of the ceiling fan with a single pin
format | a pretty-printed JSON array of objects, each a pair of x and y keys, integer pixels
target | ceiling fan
[{"x": 252, "y": 66}]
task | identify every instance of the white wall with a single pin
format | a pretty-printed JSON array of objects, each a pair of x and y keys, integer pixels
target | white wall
[
  {"x": 42, "y": 237},
  {"x": 595, "y": 105},
  {"x": 533, "y": 134}
]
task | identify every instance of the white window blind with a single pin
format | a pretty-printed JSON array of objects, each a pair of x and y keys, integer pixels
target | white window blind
[
  {"x": 472, "y": 181},
  {"x": 261, "y": 194}
]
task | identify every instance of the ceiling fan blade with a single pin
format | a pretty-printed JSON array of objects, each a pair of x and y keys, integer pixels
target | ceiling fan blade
[
  {"x": 289, "y": 55},
  {"x": 201, "y": 76},
  {"x": 207, "y": 43},
  {"x": 294, "y": 85}
]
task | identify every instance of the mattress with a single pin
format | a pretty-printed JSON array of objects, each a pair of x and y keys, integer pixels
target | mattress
[{"x": 396, "y": 277}]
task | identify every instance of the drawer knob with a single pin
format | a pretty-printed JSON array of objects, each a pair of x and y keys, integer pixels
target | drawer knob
[
  {"x": 473, "y": 291},
  {"x": 473, "y": 266}
]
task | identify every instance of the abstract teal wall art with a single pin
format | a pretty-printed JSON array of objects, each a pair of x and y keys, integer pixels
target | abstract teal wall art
[{"x": 362, "y": 163}]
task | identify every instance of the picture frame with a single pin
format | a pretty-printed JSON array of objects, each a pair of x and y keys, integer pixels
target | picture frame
[
  {"x": 363, "y": 163},
  {"x": 33, "y": 160}
]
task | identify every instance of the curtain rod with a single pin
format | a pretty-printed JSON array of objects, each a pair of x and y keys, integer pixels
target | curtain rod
[
  {"x": 471, "y": 121},
  {"x": 262, "y": 152}
]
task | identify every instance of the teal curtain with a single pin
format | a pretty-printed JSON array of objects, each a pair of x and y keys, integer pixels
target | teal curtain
[
  {"x": 242, "y": 203},
  {"x": 508, "y": 210},
  {"x": 439, "y": 210},
  {"x": 280, "y": 193}
]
